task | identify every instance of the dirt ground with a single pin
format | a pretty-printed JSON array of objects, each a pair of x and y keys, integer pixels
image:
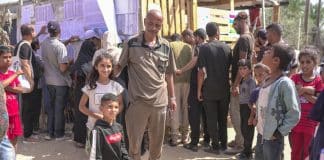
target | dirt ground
[{"x": 65, "y": 150}]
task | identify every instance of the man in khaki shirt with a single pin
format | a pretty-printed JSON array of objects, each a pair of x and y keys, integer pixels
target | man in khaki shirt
[{"x": 151, "y": 66}]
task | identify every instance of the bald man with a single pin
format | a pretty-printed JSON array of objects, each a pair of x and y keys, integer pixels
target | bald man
[{"x": 151, "y": 66}]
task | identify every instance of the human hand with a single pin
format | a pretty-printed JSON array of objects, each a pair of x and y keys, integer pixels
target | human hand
[
  {"x": 250, "y": 120},
  {"x": 172, "y": 105},
  {"x": 74, "y": 38},
  {"x": 255, "y": 122},
  {"x": 178, "y": 72},
  {"x": 235, "y": 91},
  {"x": 300, "y": 89},
  {"x": 19, "y": 72},
  {"x": 199, "y": 96},
  {"x": 43, "y": 30}
]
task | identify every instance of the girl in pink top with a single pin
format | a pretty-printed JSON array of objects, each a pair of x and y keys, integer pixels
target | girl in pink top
[{"x": 308, "y": 85}]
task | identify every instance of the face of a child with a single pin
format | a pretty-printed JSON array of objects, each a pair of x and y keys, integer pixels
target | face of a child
[
  {"x": 104, "y": 67},
  {"x": 307, "y": 65},
  {"x": 260, "y": 74},
  {"x": 110, "y": 109},
  {"x": 244, "y": 71},
  {"x": 268, "y": 57},
  {"x": 5, "y": 60}
]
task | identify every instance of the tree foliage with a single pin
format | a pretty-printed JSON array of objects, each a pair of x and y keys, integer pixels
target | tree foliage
[{"x": 290, "y": 16}]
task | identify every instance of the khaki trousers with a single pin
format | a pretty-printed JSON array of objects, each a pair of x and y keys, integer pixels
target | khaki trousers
[
  {"x": 236, "y": 119},
  {"x": 179, "y": 118},
  {"x": 140, "y": 116}
]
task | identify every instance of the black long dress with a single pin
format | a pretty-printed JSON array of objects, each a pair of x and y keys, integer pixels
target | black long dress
[
  {"x": 86, "y": 53},
  {"x": 317, "y": 114}
]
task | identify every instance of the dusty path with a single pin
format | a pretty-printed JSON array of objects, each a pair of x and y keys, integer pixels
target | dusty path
[{"x": 65, "y": 150}]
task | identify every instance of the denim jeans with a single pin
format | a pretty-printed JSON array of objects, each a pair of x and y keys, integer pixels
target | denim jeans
[
  {"x": 272, "y": 149},
  {"x": 55, "y": 113},
  {"x": 259, "y": 148},
  {"x": 7, "y": 151}
]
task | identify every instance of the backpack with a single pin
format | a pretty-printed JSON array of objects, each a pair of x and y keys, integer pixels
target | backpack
[
  {"x": 26, "y": 84},
  {"x": 38, "y": 67}
]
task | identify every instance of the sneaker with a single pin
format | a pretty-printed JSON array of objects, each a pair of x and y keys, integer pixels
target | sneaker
[
  {"x": 191, "y": 147},
  {"x": 48, "y": 137},
  {"x": 205, "y": 144},
  {"x": 63, "y": 138},
  {"x": 232, "y": 144},
  {"x": 185, "y": 139},
  {"x": 36, "y": 132},
  {"x": 173, "y": 143},
  {"x": 233, "y": 151},
  {"x": 79, "y": 145},
  {"x": 31, "y": 139},
  {"x": 243, "y": 156},
  {"x": 212, "y": 150}
]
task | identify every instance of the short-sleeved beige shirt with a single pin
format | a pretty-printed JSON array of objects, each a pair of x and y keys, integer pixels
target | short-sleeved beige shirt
[{"x": 147, "y": 67}]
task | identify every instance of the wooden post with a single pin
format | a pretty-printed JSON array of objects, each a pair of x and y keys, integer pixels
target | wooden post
[
  {"x": 307, "y": 5},
  {"x": 164, "y": 9},
  {"x": 276, "y": 13},
  {"x": 194, "y": 14},
  {"x": 171, "y": 17},
  {"x": 189, "y": 13},
  {"x": 177, "y": 16},
  {"x": 183, "y": 21},
  {"x": 143, "y": 8},
  {"x": 318, "y": 30}
]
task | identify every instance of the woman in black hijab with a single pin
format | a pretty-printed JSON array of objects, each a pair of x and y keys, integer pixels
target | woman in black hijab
[{"x": 79, "y": 71}]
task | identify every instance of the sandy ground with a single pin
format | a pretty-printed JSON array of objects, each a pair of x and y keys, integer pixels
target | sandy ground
[{"x": 65, "y": 150}]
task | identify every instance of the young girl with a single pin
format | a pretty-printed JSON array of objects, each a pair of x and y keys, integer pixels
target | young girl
[
  {"x": 99, "y": 83},
  {"x": 308, "y": 85},
  {"x": 12, "y": 90}
]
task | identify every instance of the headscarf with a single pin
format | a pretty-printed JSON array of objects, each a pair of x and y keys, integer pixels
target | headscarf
[
  {"x": 86, "y": 53},
  {"x": 108, "y": 43}
]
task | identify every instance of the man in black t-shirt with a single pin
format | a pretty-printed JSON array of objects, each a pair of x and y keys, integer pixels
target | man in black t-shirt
[
  {"x": 30, "y": 110},
  {"x": 213, "y": 86},
  {"x": 242, "y": 50}
]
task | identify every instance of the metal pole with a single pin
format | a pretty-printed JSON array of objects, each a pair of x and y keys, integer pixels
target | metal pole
[
  {"x": 299, "y": 33},
  {"x": 263, "y": 14}
]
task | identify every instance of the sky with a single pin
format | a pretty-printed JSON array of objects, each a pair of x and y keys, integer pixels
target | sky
[{"x": 315, "y": 1}]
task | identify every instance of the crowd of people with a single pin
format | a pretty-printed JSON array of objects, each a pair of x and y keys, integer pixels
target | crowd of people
[{"x": 153, "y": 91}]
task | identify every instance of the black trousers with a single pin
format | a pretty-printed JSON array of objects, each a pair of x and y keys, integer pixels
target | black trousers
[
  {"x": 31, "y": 108},
  {"x": 80, "y": 120},
  {"x": 196, "y": 113},
  {"x": 216, "y": 113},
  {"x": 247, "y": 130}
]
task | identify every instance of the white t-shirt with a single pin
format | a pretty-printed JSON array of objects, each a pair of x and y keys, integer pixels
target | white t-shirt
[
  {"x": 262, "y": 104},
  {"x": 96, "y": 94}
]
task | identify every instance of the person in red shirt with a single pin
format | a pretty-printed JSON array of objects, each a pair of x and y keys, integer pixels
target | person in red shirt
[
  {"x": 308, "y": 85},
  {"x": 14, "y": 129}
]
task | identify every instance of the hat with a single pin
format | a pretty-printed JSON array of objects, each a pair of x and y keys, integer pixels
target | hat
[
  {"x": 200, "y": 32},
  {"x": 262, "y": 34},
  {"x": 53, "y": 27},
  {"x": 90, "y": 34},
  {"x": 109, "y": 97},
  {"x": 241, "y": 15}
]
